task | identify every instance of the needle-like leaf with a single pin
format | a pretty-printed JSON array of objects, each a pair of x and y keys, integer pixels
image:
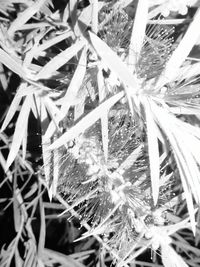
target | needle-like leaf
[
  {"x": 138, "y": 33},
  {"x": 70, "y": 97},
  {"x": 20, "y": 128},
  {"x": 181, "y": 52},
  {"x": 104, "y": 117},
  {"x": 174, "y": 260},
  {"x": 12, "y": 64},
  {"x": 13, "y": 107},
  {"x": 59, "y": 60},
  {"x": 115, "y": 64},
  {"x": 153, "y": 149},
  {"x": 25, "y": 16},
  {"x": 87, "y": 121}
]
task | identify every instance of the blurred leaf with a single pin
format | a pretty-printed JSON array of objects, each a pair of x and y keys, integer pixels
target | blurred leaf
[
  {"x": 170, "y": 258},
  {"x": 18, "y": 259},
  {"x": 31, "y": 191},
  {"x": 41, "y": 242},
  {"x": 24, "y": 16},
  {"x": 3, "y": 78},
  {"x": 94, "y": 15},
  {"x": 12, "y": 64},
  {"x": 45, "y": 7},
  {"x": 181, "y": 52},
  {"x": 16, "y": 211},
  {"x": 66, "y": 261},
  {"x": 30, "y": 52},
  {"x": 31, "y": 258},
  {"x": 138, "y": 33},
  {"x": 55, "y": 159},
  {"x": 24, "y": 142},
  {"x": 7, "y": 254}
]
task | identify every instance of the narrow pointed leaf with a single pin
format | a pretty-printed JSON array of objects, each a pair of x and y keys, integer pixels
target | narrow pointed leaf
[
  {"x": 24, "y": 142},
  {"x": 52, "y": 42},
  {"x": 153, "y": 150},
  {"x": 170, "y": 258},
  {"x": 181, "y": 52},
  {"x": 138, "y": 33},
  {"x": 46, "y": 154},
  {"x": 95, "y": 16},
  {"x": 42, "y": 235},
  {"x": 59, "y": 60},
  {"x": 75, "y": 84},
  {"x": 87, "y": 121},
  {"x": 114, "y": 63},
  {"x": 188, "y": 196},
  {"x": 24, "y": 16},
  {"x": 104, "y": 132},
  {"x": 13, "y": 107},
  {"x": 20, "y": 128},
  {"x": 12, "y": 64},
  {"x": 129, "y": 161},
  {"x": 55, "y": 160},
  {"x": 104, "y": 117},
  {"x": 165, "y": 121},
  {"x": 69, "y": 98}
]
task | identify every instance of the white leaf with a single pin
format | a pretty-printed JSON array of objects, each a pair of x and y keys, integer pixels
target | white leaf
[
  {"x": 87, "y": 121},
  {"x": 59, "y": 60},
  {"x": 153, "y": 149},
  {"x": 138, "y": 32},
  {"x": 115, "y": 64},
  {"x": 170, "y": 258},
  {"x": 20, "y": 129},
  {"x": 181, "y": 52}
]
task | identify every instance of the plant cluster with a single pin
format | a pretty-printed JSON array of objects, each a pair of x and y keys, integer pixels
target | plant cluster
[{"x": 101, "y": 129}]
